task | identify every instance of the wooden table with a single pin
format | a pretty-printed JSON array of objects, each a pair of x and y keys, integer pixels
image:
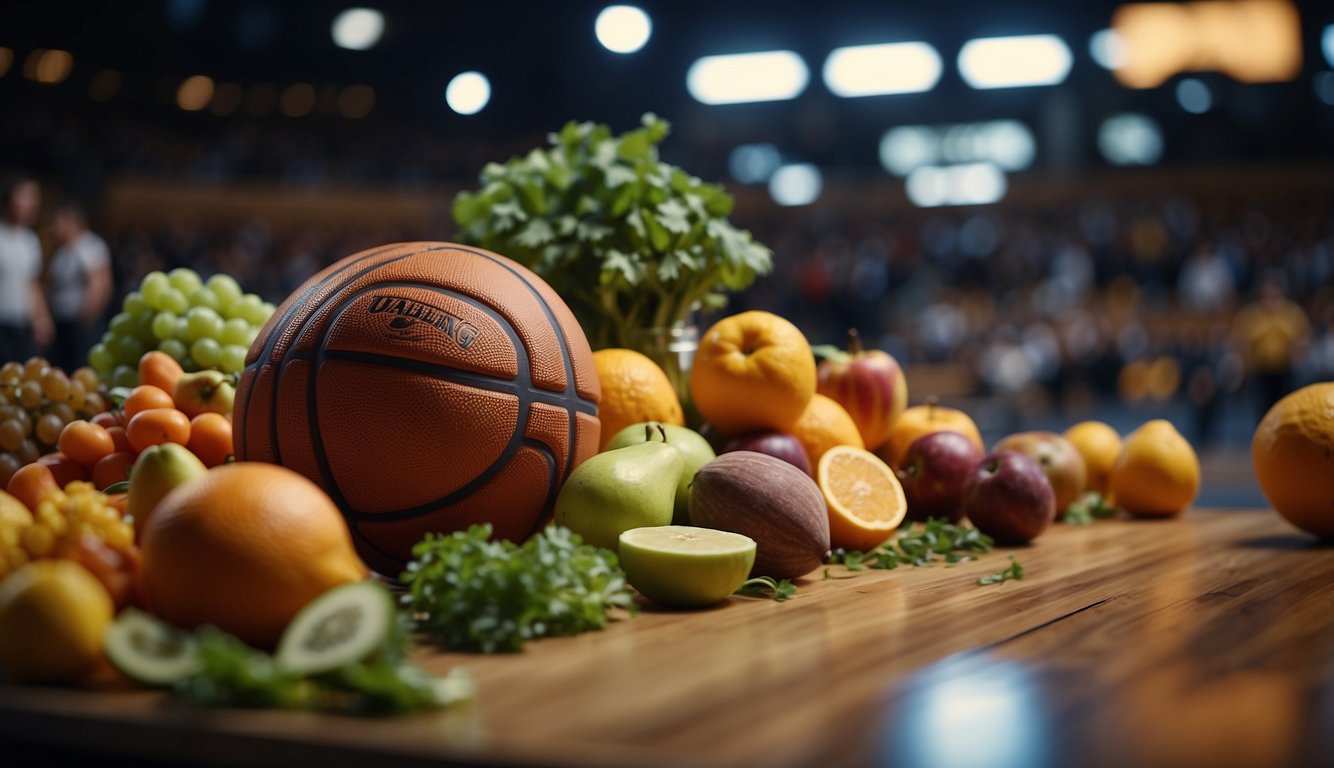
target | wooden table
[{"x": 1206, "y": 641}]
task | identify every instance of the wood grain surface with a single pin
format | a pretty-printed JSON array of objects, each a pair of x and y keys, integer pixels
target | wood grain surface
[{"x": 1205, "y": 641}]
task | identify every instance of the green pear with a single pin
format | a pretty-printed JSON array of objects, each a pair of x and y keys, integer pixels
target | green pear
[
  {"x": 158, "y": 470},
  {"x": 693, "y": 447},
  {"x": 614, "y": 491}
]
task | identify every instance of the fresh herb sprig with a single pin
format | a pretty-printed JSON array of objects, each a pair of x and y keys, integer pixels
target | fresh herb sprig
[
  {"x": 467, "y": 592},
  {"x": 1088, "y": 507},
  {"x": 767, "y": 586},
  {"x": 920, "y": 544},
  {"x": 1015, "y": 571},
  {"x": 232, "y": 674}
]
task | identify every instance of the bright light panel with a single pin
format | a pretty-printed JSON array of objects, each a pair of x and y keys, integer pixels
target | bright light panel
[
  {"x": 754, "y": 163},
  {"x": 1194, "y": 96},
  {"x": 747, "y": 77},
  {"x": 967, "y": 184},
  {"x": 798, "y": 184},
  {"x": 468, "y": 93},
  {"x": 1008, "y": 144},
  {"x": 357, "y": 29},
  {"x": 1108, "y": 49},
  {"x": 874, "y": 70},
  {"x": 907, "y": 147},
  {"x": 622, "y": 28},
  {"x": 1010, "y": 62},
  {"x": 1327, "y": 44},
  {"x": 1130, "y": 139}
]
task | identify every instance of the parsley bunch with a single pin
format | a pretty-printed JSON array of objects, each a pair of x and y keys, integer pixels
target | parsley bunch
[
  {"x": 919, "y": 544},
  {"x": 470, "y": 593}
]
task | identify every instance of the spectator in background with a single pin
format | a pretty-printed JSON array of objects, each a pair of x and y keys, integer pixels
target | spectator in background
[
  {"x": 1271, "y": 333},
  {"x": 1206, "y": 282},
  {"x": 78, "y": 282},
  {"x": 25, "y": 324}
]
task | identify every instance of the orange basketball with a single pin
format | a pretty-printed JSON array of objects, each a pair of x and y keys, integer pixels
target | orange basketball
[{"x": 425, "y": 387}]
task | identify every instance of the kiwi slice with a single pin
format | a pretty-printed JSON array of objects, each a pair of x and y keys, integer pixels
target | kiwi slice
[
  {"x": 150, "y": 651},
  {"x": 338, "y": 628}
]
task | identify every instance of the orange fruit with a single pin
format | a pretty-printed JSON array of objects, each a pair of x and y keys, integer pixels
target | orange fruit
[
  {"x": 1157, "y": 473},
  {"x": 145, "y": 397},
  {"x": 634, "y": 389},
  {"x": 1293, "y": 455},
  {"x": 752, "y": 371},
  {"x": 160, "y": 370},
  {"x": 156, "y": 426},
  {"x": 1099, "y": 444},
  {"x": 211, "y": 438},
  {"x": 865, "y": 500},
  {"x": 245, "y": 547},
  {"x": 921, "y": 420},
  {"x": 823, "y": 425}
]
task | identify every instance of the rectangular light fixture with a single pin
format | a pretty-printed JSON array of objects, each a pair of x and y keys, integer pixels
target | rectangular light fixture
[
  {"x": 874, "y": 70},
  {"x": 747, "y": 77},
  {"x": 1011, "y": 62}
]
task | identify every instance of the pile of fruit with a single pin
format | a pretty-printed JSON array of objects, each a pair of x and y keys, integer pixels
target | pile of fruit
[{"x": 37, "y": 400}]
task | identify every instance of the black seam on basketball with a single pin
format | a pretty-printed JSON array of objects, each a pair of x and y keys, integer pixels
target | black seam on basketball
[
  {"x": 571, "y": 386},
  {"x": 281, "y": 365},
  {"x": 553, "y": 484},
  {"x": 485, "y": 476},
  {"x": 379, "y": 550}
]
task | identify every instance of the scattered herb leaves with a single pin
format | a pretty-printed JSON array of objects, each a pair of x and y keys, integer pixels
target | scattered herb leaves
[
  {"x": 1088, "y": 507},
  {"x": 1015, "y": 571},
  {"x": 766, "y": 586},
  {"x": 469, "y": 593},
  {"x": 920, "y": 544}
]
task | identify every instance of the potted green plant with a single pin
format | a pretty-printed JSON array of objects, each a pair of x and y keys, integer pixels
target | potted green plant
[{"x": 633, "y": 244}]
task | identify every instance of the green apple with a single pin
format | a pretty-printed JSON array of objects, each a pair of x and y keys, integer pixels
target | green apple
[{"x": 695, "y": 451}]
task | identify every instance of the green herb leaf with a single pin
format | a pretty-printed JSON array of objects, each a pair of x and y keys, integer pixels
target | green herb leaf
[
  {"x": 1088, "y": 507},
  {"x": 766, "y": 586},
  {"x": 470, "y": 593},
  {"x": 1014, "y": 571},
  {"x": 920, "y": 544}
]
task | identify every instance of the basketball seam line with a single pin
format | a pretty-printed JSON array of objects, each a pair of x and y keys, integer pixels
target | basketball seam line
[{"x": 511, "y": 447}]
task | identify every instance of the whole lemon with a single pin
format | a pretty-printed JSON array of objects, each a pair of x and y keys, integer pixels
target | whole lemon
[
  {"x": 52, "y": 617},
  {"x": 245, "y": 547}
]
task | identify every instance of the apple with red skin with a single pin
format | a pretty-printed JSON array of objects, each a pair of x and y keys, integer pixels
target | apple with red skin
[
  {"x": 1009, "y": 498},
  {"x": 934, "y": 473},
  {"x": 868, "y": 383},
  {"x": 1060, "y": 461},
  {"x": 780, "y": 445}
]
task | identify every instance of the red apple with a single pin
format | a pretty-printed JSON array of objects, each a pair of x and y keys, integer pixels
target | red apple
[
  {"x": 780, "y": 445},
  {"x": 869, "y": 384},
  {"x": 934, "y": 473},
  {"x": 1009, "y": 498},
  {"x": 1060, "y": 461}
]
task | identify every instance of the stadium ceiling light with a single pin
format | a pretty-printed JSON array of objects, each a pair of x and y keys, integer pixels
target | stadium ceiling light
[
  {"x": 623, "y": 28},
  {"x": 1130, "y": 139},
  {"x": 1327, "y": 44},
  {"x": 358, "y": 29},
  {"x": 874, "y": 70},
  {"x": 1010, "y": 62},
  {"x": 797, "y": 184},
  {"x": 468, "y": 93},
  {"x": 1108, "y": 49},
  {"x": 747, "y": 77},
  {"x": 968, "y": 184},
  {"x": 754, "y": 163},
  {"x": 1194, "y": 96}
]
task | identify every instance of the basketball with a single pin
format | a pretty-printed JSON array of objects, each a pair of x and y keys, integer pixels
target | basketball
[{"x": 425, "y": 387}]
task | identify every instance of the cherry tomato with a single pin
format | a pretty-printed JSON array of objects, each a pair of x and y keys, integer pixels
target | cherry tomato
[{"x": 112, "y": 469}]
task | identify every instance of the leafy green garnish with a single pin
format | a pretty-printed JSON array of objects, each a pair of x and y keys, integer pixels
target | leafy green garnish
[
  {"x": 467, "y": 592},
  {"x": 766, "y": 586},
  {"x": 1013, "y": 571},
  {"x": 920, "y": 544},
  {"x": 628, "y": 241},
  {"x": 1089, "y": 506},
  {"x": 235, "y": 675}
]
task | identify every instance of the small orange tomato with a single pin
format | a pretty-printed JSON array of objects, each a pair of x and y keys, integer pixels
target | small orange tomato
[
  {"x": 30, "y": 483},
  {"x": 118, "y": 437},
  {"x": 112, "y": 469},
  {"x": 160, "y": 370},
  {"x": 210, "y": 438},
  {"x": 146, "y": 397},
  {"x": 85, "y": 442},
  {"x": 156, "y": 426}
]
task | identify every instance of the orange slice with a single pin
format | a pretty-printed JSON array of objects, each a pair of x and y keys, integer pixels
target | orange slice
[{"x": 865, "y": 499}]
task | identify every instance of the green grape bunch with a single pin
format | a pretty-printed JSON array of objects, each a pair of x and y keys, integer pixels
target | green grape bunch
[{"x": 202, "y": 324}]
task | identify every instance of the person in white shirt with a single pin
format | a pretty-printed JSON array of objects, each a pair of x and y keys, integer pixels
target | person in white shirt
[
  {"x": 78, "y": 285},
  {"x": 25, "y": 324}
]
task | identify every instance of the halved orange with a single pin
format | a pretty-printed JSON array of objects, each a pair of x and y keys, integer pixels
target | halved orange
[{"x": 865, "y": 500}]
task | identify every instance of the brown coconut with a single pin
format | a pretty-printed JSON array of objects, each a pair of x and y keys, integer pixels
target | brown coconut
[{"x": 769, "y": 500}]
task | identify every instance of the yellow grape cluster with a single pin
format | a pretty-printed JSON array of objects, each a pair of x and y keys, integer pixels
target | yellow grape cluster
[{"x": 62, "y": 520}]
